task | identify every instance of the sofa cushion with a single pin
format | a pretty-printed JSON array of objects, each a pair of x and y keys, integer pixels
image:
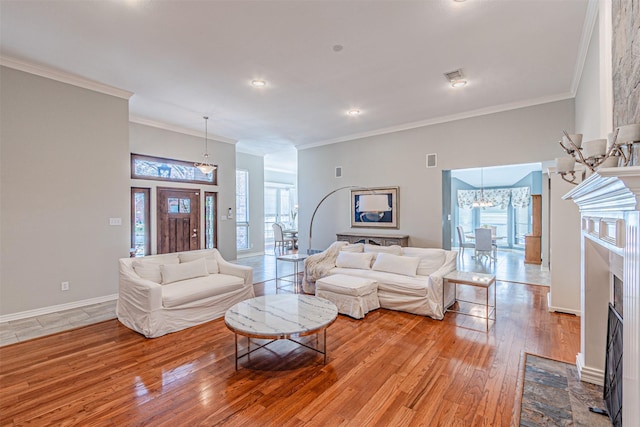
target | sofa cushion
[
  {"x": 191, "y": 290},
  {"x": 354, "y": 260},
  {"x": 210, "y": 258},
  {"x": 356, "y": 247},
  {"x": 431, "y": 259},
  {"x": 150, "y": 268},
  {"x": 405, "y": 265},
  {"x": 183, "y": 271}
]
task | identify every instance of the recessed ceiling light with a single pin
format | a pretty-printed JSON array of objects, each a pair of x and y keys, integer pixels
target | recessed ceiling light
[
  {"x": 458, "y": 83},
  {"x": 258, "y": 83},
  {"x": 353, "y": 112}
]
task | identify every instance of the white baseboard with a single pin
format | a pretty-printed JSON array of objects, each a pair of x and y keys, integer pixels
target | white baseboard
[
  {"x": 249, "y": 254},
  {"x": 56, "y": 308},
  {"x": 587, "y": 374},
  {"x": 561, "y": 309}
]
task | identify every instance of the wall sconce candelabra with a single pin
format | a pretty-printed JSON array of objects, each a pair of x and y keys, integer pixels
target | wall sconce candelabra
[{"x": 620, "y": 149}]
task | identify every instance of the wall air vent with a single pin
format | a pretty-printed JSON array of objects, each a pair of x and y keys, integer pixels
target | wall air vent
[{"x": 432, "y": 160}]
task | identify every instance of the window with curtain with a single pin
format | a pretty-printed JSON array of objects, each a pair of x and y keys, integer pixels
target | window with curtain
[
  {"x": 509, "y": 213},
  {"x": 242, "y": 210}
]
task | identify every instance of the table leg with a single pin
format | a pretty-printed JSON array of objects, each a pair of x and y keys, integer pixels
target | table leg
[
  {"x": 236, "y": 343},
  {"x": 325, "y": 346},
  {"x": 486, "y": 308}
]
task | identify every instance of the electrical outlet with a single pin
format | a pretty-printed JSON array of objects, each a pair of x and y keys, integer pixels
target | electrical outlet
[{"x": 64, "y": 286}]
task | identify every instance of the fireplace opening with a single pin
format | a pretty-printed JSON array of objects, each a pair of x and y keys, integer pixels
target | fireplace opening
[{"x": 613, "y": 367}]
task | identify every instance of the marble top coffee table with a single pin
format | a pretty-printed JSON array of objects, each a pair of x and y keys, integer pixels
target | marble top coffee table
[{"x": 281, "y": 316}]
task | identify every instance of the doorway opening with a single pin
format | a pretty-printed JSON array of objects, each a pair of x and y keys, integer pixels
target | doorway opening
[{"x": 497, "y": 197}]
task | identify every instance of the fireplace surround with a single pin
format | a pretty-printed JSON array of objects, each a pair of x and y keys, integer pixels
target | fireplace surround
[{"x": 609, "y": 203}]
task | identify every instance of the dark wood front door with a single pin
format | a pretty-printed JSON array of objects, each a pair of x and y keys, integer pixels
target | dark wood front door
[{"x": 178, "y": 220}]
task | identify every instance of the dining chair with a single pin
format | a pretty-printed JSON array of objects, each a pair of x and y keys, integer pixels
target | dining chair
[
  {"x": 463, "y": 241},
  {"x": 279, "y": 239},
  {"x": 484, "y": 244}
]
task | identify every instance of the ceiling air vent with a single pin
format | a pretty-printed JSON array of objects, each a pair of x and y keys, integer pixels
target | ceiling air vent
[{"x": 454, "y": 75}]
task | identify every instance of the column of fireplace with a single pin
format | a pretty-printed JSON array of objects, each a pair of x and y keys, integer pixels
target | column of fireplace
[{"x": 609, "y": 203}]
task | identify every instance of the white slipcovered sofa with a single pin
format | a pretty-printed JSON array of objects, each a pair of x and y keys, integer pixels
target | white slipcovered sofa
[
  {"x": 159, "y": 294},
  {"x": 409, "y": 279}
]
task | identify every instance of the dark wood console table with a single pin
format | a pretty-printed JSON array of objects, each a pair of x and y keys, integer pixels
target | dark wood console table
[{"x": 374, "y": 239}]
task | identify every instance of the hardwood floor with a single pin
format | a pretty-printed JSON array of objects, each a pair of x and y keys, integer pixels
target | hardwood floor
[{"x": 390, "y": 368}]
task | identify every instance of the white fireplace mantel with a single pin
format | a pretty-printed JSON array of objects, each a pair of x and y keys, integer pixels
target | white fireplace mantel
[{"x": 609, "y": 203}]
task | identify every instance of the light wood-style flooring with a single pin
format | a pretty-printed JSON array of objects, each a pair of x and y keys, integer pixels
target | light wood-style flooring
[{"x": 388, "y": 369}]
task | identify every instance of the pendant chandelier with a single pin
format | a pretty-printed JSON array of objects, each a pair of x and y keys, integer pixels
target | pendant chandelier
[
  {"x": 481, "y": 202},
  {"x": 206, "y": 166}
]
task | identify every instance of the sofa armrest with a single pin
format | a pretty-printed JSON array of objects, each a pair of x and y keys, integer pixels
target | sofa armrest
[
  {"x": 450, "y": 264},
  {"x": 236, "y": 270},
  {"x": 140, "y": 293}
]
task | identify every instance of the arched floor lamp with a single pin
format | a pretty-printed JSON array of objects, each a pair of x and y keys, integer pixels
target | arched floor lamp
[{"x": 353, "y": 187}]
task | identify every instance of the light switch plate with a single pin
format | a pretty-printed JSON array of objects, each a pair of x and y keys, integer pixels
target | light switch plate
[{"x": 115, "y": 221}]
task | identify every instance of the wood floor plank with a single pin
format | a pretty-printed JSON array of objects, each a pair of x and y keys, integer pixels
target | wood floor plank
[{"x": 390, "y": 368}]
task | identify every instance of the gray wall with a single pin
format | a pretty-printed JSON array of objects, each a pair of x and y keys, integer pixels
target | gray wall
[
  {"x": 164, "y": 143},
  {"x": 564, "y": 215},
  {"x": 522, "y": 135},
  {"x": 255, "y": 166},
  {"x": 64, "y": 172}
]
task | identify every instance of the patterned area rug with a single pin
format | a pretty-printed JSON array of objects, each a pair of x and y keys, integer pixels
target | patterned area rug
[{"x": 552, "y": 395}]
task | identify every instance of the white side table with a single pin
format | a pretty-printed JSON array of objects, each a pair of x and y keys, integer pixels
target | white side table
[
  {"x": 479, "y": 280},
  {"x": 295, "y": 259}
]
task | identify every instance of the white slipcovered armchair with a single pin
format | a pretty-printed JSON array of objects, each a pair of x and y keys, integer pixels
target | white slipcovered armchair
[{"x": 159, "y": 294}]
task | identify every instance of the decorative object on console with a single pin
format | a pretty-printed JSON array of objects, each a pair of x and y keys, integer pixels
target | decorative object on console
[
  {"x": 375, "y": 207},
  {"x": 621, "y": 148},
  {"x": 205, "y": 166}
]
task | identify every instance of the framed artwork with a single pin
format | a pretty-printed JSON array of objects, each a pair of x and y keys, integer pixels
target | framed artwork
[{"x": 375, "y": 207}]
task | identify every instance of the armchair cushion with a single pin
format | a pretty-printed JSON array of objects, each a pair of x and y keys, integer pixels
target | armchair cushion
[
  {"x": 194, "y": 291},
  {"x": 210, "y": 258},
  {"x": 183, "y": 271},
  {"x": 150, "y": 268}
]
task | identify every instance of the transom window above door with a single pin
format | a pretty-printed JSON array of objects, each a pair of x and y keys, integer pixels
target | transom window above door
[{"x": 161, "y": 169}]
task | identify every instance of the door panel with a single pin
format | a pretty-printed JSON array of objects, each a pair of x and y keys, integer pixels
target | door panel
[{"x": 178, "y": 220}]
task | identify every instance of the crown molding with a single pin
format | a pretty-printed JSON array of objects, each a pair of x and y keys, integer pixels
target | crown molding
[
  {"x": 443, "y": 119},
  {"x": 63, "y": 77},
  {"x": 590, "y": 20},
  {"x": 179, "y": 129}
]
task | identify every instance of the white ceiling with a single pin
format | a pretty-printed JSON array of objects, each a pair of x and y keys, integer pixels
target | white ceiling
[{"x": 186, "y": 59}]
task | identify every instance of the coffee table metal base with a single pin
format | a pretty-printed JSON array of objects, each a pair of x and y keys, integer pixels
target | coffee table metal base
[
  {"x": 281, "y": 316},
  {"x": 317, "y": 349}
]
